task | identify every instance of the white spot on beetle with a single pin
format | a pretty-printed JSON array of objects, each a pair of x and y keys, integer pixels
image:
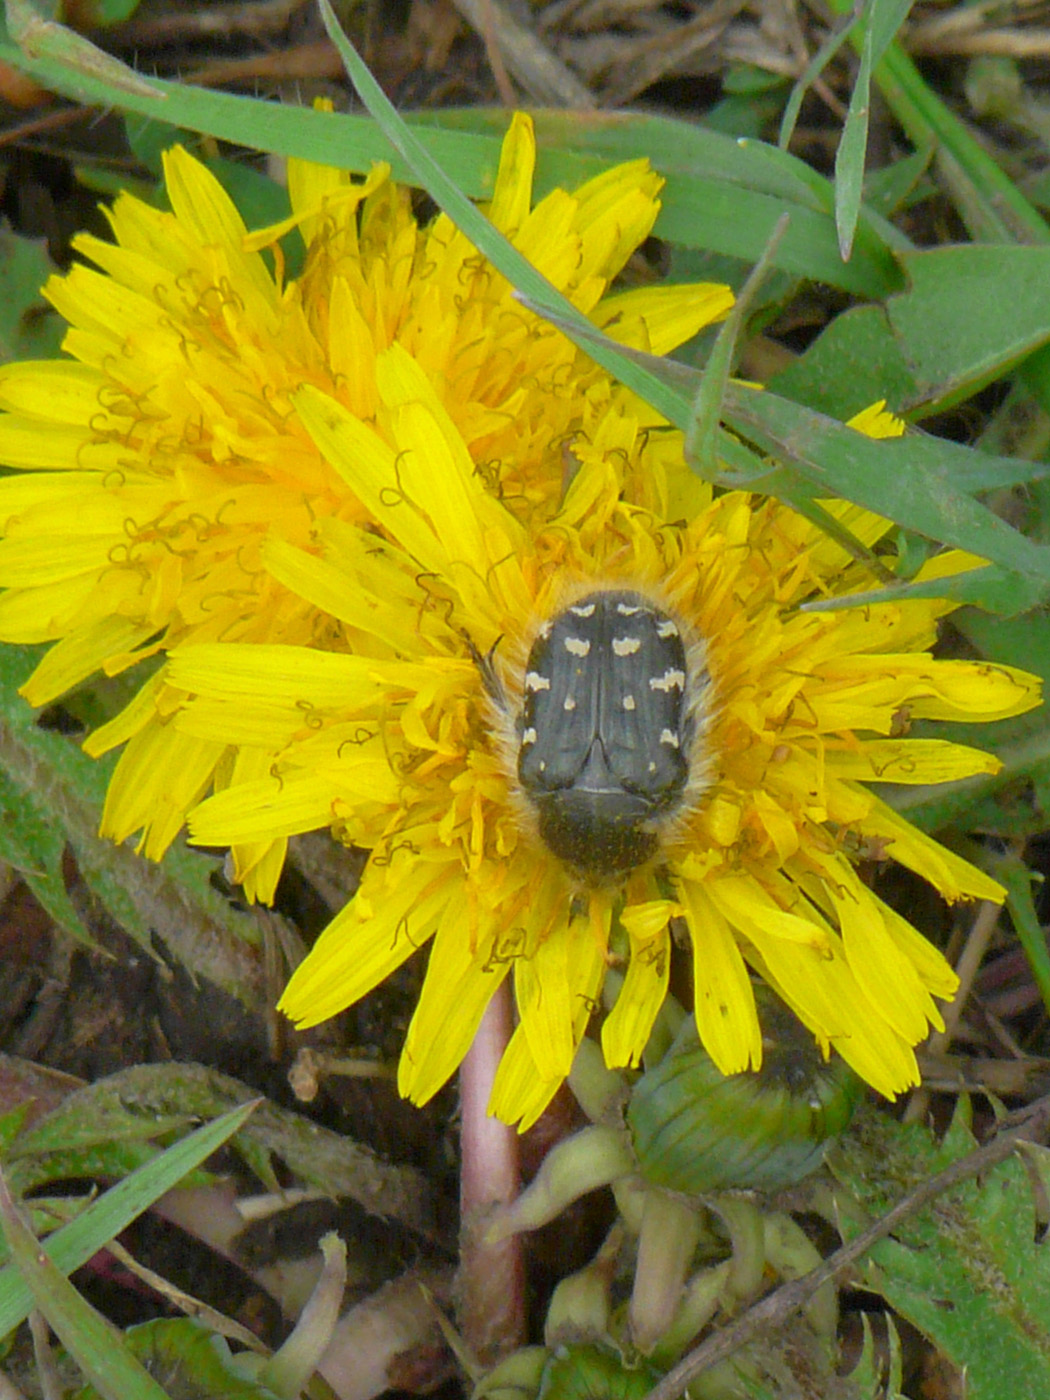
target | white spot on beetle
[
  {"x": 569, "y": 703},
  {"x": 576, "y": 646},
  {"x": 667, "y": 736},
  {"x": 628, "y": 609},
  {"x": 628, "y": 702},
  {"x": 666, "y": 629},
  {"x": 626, "y": 646},
  {"x": 670, "y": 680},
  {"x": 535, "y": 681},
  {"x": 583, "y": 609},
  {"x": 529, "y": 737}
]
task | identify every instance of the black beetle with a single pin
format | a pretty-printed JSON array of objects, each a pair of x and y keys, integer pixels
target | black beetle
[{"x": 609, "y": 732}]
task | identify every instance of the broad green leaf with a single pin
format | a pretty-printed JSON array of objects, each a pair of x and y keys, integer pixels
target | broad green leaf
[
  {"x": 971, "y": 314},
  {"x": 29, "y": 329},
  {"x": 48, "y": 780},
  {"x": 190, "y": 1361},
  {"x": 32, "y": 843},
  {"x": 972, "y": 1272}
]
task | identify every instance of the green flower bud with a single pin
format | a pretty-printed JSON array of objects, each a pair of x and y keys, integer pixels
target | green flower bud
[
  {"x": 697, "y": 1130},
  {"x": 594, "y": 1373}
]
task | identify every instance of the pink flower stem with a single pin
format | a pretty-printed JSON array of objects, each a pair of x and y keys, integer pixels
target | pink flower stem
[{"x": 491, "y": 1289}]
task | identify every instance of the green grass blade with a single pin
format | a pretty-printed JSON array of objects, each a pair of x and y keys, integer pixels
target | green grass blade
[
  {"x": 884, "y": 18},
  {"x": 93, "y": 1342},
  {"x": 76, "y": 1242},
  {"x": 1017, "y": 878},
  {"x": 993, "y": 206},
  {"x": 722, "y": 194}
]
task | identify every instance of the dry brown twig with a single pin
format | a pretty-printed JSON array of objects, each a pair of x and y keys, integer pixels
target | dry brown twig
[{"x": 777, "y": 1307}]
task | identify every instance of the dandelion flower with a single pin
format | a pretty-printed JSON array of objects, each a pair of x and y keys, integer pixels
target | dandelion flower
[
  {"x": 566, "y": 743},
  {"x": 157, "y": 463}
]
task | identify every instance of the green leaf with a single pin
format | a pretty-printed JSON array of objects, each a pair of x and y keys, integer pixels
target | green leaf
[
  {"x": 1017, "y": 879},
  {"x": 29, "y": 329},
  {"x": 92, "y": 1341},
  {"x": 992, "y": 206},
  {"x": 48, "y": 781},
  {"x": 917, "y": 481},
  {"x": 725, "y": 195},
  {"x": 40, "y": 38},
  {"x": 884, "y": 18},
  {"x": 920, "y": 482},
  {"x": 894, "y": 187},
  {"x": 76, "y": 1242},
  {"x": 972, "y": 1271},
  {"x": 98, "y": 14},
  {"x": 190, "y": 1361},
  {"x": 971, "y": 314},
  {"x": 32, "y": 843},
  {"x": 722, "y": 194},
  {"x": 855, "y": 361}
]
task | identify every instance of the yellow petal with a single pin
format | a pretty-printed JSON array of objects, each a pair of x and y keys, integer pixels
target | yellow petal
[
  {"x": 370, "y": 468},
  {"x": 366, "y": 941},
  {"x": 625, "y": 1032},
  {"x": 911, "y": 761},
  {"x": 57, "y": 391},
  {"x": 726, "y": 1017},
  {"x": 659, "y": 319},
  {"x": 77, "y": 656},
  {"x": 954, "y": 877},
  {"x": 462, "y": 977},
  {"x": 298, "y": 677},
  {"x": 875, "y": 959},
  {"x": 158, "y": 778},
  {"x": 877, "y": 421},
  {"x": 520, "y": 1093},
  {"x": 512, "y": 194}
]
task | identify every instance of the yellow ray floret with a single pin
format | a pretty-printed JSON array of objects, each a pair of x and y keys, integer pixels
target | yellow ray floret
[
  {"x": 166, "y": 490},
  {"x": 800, "y": 710}
]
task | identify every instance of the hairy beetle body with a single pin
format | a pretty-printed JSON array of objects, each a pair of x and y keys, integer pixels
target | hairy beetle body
[{"x": 608, "y": 730}]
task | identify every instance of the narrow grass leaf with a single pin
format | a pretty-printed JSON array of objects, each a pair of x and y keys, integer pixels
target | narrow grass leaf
[
  {"x": 39, "y": 37},
  {"x": 94, "y": 1343},
  {"x": 993, "y": 207},
  {"x": 76, "y": 1242},
  {"x": 723, "y": 194},
  {"x": 883, "y": 19},
  {"x": 1017, "y": 878}
]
